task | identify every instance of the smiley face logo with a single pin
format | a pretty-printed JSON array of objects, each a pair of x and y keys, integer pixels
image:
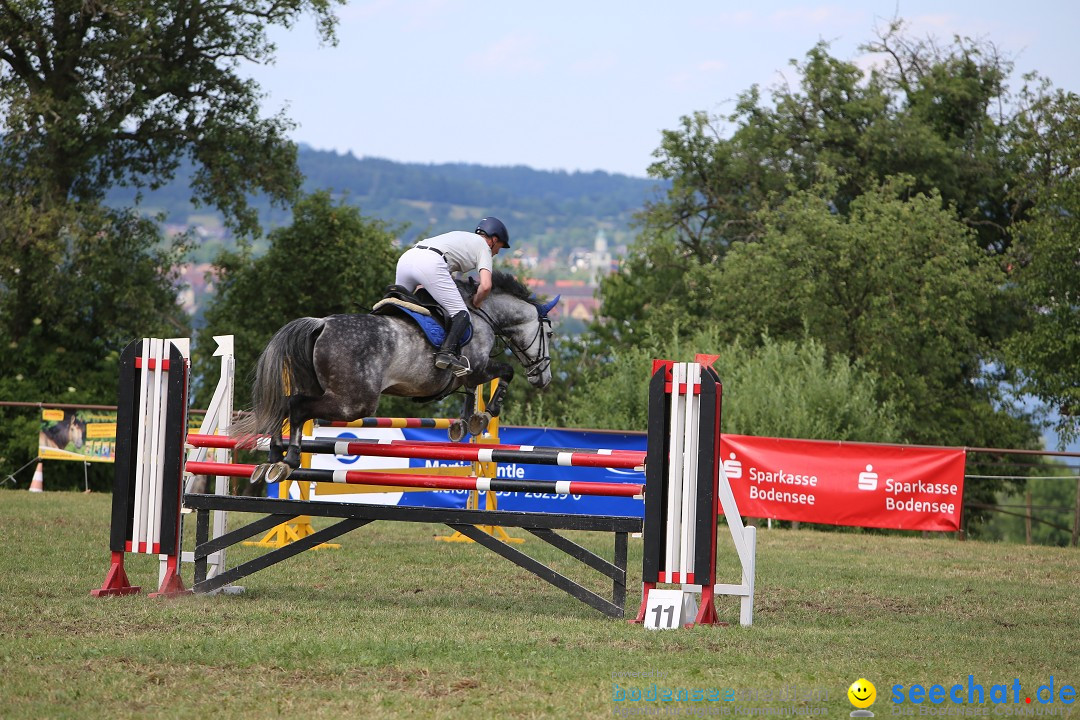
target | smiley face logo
[{"x": 862, "y": 693}]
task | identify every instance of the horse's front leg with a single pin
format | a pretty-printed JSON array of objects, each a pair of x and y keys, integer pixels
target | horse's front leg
[{"x": 478, "y": 422}]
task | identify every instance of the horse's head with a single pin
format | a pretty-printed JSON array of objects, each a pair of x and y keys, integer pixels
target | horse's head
[
  {"x": 522, "y": 321},
  {"x": 77, "y": 432}
]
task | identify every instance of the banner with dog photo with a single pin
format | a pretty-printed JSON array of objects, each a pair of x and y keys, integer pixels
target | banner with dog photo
[{"x": 87, "y": 435}]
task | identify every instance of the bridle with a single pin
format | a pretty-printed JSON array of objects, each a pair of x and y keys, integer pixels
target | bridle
[{"x": 533, "y": 368}]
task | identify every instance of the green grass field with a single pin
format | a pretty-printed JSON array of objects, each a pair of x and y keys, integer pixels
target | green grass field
[{"x": 396, "y": 624}]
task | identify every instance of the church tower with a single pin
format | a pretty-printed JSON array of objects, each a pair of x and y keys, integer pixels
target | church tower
[{"x": 601, "y": 258}]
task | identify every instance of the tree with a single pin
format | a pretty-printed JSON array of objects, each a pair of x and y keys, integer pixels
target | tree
[
  {"x": 330, "y": 260},
  {"x": 897, "y": 285},
  {"x": 909, "y": 173},
  {"x": 118, "y": 92},
  {"x": 107, "y": 280},
  {"x": 789, "y": 388},
  {"x": 795, "y": 389},
  {"x": 952, "y": 126},
  {"x": 1045, "y": 259},
  {"x": 659, "y": 285},
  {"x": 926, "y": 113}
]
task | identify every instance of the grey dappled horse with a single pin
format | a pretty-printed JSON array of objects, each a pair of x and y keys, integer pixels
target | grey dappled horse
[{"x": 336, "y": 368}]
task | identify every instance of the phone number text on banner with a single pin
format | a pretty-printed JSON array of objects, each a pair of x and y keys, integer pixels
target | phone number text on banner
[{"x": 859, "y": 484}]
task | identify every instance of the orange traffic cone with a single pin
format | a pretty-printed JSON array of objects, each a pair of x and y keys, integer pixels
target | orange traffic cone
[{"x": 38, "y": 483}]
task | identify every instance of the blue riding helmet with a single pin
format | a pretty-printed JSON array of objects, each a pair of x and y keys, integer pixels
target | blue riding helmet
[{"x": 493, "y": 227}]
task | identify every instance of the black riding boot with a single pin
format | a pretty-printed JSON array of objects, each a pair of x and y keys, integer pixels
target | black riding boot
[{"x": 449, "y": 355}]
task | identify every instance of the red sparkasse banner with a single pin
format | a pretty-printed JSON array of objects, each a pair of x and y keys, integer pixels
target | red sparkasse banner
[{"x": 842, "y": 483}]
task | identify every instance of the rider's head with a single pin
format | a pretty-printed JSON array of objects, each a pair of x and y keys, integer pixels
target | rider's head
[{"x": 492, "y": 227}]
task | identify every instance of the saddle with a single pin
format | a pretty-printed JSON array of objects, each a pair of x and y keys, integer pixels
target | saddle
[
  {"x": 396, "y": 297},
  {"x": 419, "y": 307}
]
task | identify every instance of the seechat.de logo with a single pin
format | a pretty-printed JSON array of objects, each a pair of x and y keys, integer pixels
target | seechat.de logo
[{"x": 862, "y": 695}]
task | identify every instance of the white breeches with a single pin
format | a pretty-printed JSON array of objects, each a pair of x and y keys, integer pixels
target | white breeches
[{"x": 424, "y": 267}]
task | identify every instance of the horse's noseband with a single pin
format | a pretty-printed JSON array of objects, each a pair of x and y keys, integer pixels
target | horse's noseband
[{"x": 537, "y": 367}]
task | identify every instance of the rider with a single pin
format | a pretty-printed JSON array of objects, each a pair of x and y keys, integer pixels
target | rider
[{"x": 431, "y": 263}]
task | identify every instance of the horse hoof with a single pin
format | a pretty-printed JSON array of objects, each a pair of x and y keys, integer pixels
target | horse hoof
[
  {"x": 457, "y": 430},
  {"x": 278, "y": 472},
  {"x": 259, "y": 474},
  {"x": 478, "y": 423}
]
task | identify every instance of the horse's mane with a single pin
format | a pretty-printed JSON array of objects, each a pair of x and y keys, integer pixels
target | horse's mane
[
  {"x": 504, "y": 281},
  {"x": 54, "y": 432}
]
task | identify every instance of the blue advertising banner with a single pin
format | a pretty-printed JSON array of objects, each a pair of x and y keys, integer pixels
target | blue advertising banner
[{"x": 522, "y": 501}]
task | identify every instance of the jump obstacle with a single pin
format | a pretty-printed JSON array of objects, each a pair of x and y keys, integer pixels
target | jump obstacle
[{"x": 684, "y": 489}]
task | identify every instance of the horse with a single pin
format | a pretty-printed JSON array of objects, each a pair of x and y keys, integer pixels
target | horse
[
  {"x": 71, "y": 430},
  {"x": 336, "y": 368}
]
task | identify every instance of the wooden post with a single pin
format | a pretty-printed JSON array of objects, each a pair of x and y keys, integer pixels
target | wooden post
[
  {"x": 1076, "y": 517},
  {"x": 1027, "y": 520}
]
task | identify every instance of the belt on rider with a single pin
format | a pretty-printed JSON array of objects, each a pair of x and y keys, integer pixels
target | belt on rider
[{"x": 434, "y": 250}]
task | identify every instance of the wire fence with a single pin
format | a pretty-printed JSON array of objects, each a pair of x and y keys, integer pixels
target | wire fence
[
  {"x": 1063, "y": 464},
  {"x": 1061, "y": 469}
]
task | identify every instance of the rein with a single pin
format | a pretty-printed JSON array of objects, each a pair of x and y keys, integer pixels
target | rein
[{"x": 533, "y": 368}]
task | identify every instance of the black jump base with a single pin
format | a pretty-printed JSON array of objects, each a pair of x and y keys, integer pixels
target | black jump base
[{"x": 467, "y": 522}]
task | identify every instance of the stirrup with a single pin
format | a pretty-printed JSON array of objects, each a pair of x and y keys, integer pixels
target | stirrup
[{"x": 460, "y": 366}]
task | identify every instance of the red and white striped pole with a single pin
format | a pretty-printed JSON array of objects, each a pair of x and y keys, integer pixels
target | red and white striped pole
[
  {"x": 437, "y": 482},
  {"x": 566, "y": 457}
]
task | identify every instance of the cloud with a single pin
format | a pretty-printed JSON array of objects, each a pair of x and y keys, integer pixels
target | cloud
[
  {"x": 597, "y": 63},
  {"x": 420, "y": 14},
  {"x": 739, "y": 18},
  {"x": 514, "y": 54},
  {"x": 700, "y": 77},
  {"x": 831, "y": 15},
  {"x": 713, "y": 66},
  {"x": 427, "y": 13},
  {"x": 365, "y": 11}
]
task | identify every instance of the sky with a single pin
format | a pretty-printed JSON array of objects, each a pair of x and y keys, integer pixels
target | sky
[{"x": 591, "y": 85}]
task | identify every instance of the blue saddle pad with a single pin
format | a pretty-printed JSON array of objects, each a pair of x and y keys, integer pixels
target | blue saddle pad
[{"x": 433, "y": 331}]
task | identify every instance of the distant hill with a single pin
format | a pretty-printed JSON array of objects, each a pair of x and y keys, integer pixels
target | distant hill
[{"x": 550, "y": 212}]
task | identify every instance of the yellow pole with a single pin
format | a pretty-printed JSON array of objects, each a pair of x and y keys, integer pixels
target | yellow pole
[{"x": 491, "y": 437}]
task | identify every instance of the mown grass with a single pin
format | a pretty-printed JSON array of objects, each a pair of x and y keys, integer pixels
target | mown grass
[{"x": 396, "y": 624}]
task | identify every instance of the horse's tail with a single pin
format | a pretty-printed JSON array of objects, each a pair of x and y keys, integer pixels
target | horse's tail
[{"x": 284, "y": 368}]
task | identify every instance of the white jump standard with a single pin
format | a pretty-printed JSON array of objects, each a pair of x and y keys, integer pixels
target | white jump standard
[
  {"x": 685, "y": 487},
  {"x": 146, "y": 505}
]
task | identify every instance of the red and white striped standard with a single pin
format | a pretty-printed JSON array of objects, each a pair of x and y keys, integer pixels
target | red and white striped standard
[
  {"x": 453, "y": 452},
  {"x": 428, "y": 482}
]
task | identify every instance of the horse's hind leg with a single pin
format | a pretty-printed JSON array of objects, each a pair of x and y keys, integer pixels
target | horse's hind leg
[
  {"x": 277, "y": 448},
  {"x": 303, "y": 408},
  {"x": 282, "y": 461},
  {"x": 299, "y": 414},
  {"x": 273, "y": 460}
]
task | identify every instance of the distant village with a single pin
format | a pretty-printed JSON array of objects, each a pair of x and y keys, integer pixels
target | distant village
[{"x": 575, "y": 277}]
